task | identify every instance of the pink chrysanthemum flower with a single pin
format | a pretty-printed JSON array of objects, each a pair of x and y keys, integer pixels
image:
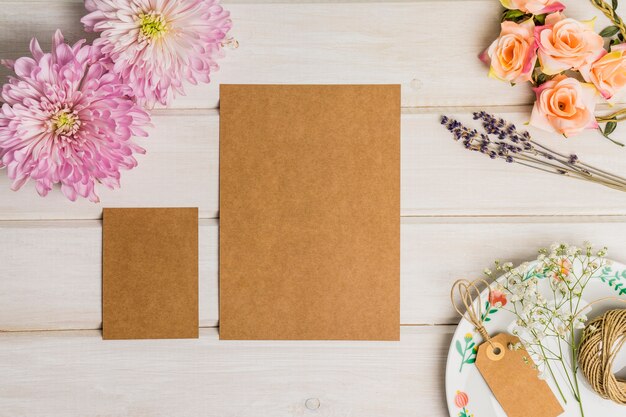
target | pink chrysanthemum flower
[
  {"x": 67, "y": 120},
  {"x": 157, "y": 44}
]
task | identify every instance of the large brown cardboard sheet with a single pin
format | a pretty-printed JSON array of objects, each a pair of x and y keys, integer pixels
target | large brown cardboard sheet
[
  {"x": 310, "y": 212},
  {"x": 150, "y": 273}
]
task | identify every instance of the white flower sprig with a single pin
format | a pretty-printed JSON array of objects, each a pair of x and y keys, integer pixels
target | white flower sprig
[{"x": 547, "y": 328}]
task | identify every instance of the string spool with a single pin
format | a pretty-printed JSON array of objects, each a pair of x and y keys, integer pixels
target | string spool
[
  {"x": 601, "y": 341},
  {"x": 469, "y": 296}
]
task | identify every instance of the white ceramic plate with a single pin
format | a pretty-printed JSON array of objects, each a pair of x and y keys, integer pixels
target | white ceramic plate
[{"x": 462, "y": 375}]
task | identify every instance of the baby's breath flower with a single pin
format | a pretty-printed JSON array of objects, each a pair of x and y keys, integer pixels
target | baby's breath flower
[{"x": 543, "y": 319}]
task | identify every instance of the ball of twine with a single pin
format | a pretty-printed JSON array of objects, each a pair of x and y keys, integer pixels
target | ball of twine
[{"x": 602, "y": 339}]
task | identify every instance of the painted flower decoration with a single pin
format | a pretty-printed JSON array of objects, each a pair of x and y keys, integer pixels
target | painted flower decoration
[
  {"x": 461, "y": 399},
  {"x": 564, "y": 105},
  {"x": 535, "y": 7},
  {"x": 66, "y": 120},
  {"x": 155, "y": 45},
  {"x": 497, "y": 298},
  {"x": 563, "y": 268}
]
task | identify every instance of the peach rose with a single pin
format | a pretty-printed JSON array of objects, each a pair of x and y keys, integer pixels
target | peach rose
[
  {"x": 534, "y": 6},
  {"x": 567, "y": 43},
  {"x": 564, "y": 105},
  {"x": 513, "y": 55},
  {"x": 608, "y": 73}
]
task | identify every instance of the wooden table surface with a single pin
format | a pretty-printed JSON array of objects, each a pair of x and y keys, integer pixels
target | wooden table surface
[{"x": 459, "y": 212}]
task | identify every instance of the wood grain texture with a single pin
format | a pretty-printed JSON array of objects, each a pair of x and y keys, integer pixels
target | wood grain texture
[
  {"x": 61, "y": 290},
  {"x": 68, "y": 374},
  {"x": 439, "y": 177},
  {"x": 430, "y": 47},
  {"x": 50, "y": 274}
]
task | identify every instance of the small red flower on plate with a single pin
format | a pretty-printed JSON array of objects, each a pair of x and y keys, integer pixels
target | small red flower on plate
[
  {"x": 461, "y": 399},
  {"x": 563, "y": 270},
  {"x": 497, "y": 299}
]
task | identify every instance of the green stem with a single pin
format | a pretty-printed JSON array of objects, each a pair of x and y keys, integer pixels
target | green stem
[
  {"x": 556, "y": 382},
  {"x": 575, "y": 371}
]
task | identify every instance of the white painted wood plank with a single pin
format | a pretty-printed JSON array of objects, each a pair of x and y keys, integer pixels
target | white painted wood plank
[
  {"x": 430, "y": 47},
  {"x": 50, "y": 277},
  {"x": 69, "y": 374},
  {"x": 439, "y": 177}
]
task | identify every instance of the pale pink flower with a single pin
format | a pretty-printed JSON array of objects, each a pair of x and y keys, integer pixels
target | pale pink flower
[
  {"x": 608, "y": 73},
  {"x": 534, "y": 6},
  {"x": 565, "y": 105},
  {"x": 512, "y": 56},
  {"x": 67, "y": 120},
  {"x": 155, "y": 45},
  {"x": 566, "y": 43}
]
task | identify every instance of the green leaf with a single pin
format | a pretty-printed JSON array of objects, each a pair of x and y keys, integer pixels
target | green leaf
[
  {"x": 493, "y": 310},
  {"x": 540, "y": 19},
  {"x": 512, "y": 14},
  {"x": 609, "y": 31},
  {"x": 471, "y": 345},
  {"x": 542, "y": 78},
  {"x": 488, "y": 319},
  {"x": 610, "y": 128},
  {"x": 459, "y": 348},
  {"x": 615, "y": 4},
  {"x": 471, "y": 360}
]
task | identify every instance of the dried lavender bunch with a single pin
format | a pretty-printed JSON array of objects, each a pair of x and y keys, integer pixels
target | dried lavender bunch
[{"x": 501, "y": 140}]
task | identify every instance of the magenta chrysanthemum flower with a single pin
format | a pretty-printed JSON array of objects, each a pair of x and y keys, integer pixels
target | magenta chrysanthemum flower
[
  {"x": 67, "y": 120},
  {"x": 157, "y": 44}
]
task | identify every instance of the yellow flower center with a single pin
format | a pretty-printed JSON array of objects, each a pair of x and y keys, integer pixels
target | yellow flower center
[
  {"x": 152, "y": 26},
  {"x": 65, "y": 122}
]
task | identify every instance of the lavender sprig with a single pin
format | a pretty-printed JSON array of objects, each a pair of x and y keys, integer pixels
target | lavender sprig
[{"x": 501, "y": 140}]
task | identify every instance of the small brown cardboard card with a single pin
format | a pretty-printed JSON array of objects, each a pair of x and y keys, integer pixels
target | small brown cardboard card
[
  {"x": 310, "y": 212},
  {"x": 150, "y": 273},
  {"x": 514, "y": 381}
]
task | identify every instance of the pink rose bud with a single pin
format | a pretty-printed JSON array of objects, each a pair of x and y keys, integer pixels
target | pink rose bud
[
  {"x": 513, "y": 55},
  {"x": 534, "y": 6},
  {"x": 567, "y": 44},
  {"x": 564, "y": 105}
]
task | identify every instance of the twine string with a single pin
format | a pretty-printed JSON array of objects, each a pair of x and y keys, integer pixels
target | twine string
[
  {"x": 600, "y": 344},
  {"x": 469, "y": 294}
]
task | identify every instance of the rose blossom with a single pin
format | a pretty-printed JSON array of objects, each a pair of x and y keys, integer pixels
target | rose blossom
[
  {"x": 566, "y": 43},
  {"x": 513, "y": 55},
  {"x": 564, "y": 105},
  {"x": 534, "y": 6},
  {"x": 608, "y": 73}
]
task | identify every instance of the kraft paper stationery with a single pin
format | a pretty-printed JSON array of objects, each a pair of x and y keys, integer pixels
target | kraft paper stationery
[
  {"x": 150, "y": 273},
  {"x": 310, "y": 212},
  {"x": 514, "y": 380}
]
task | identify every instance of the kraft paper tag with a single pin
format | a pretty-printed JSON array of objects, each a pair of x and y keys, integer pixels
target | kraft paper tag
[
  {"x": 514, "y": 381},
  {"x": 150, "y": 273}
]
